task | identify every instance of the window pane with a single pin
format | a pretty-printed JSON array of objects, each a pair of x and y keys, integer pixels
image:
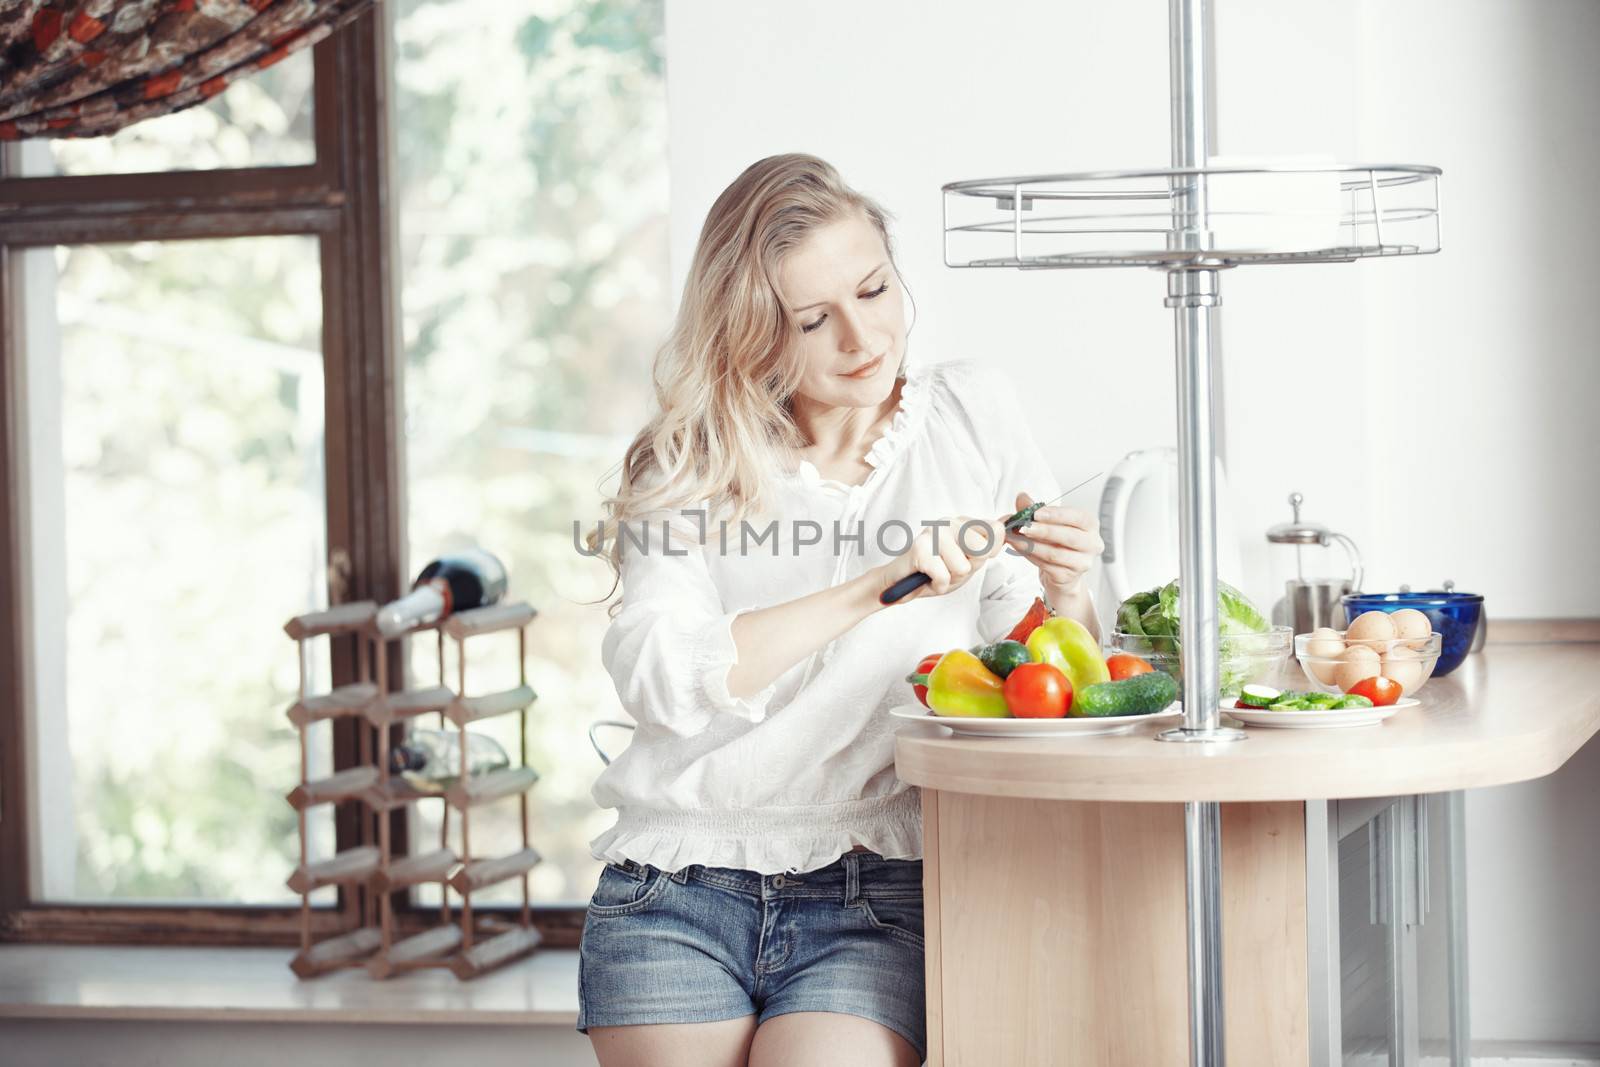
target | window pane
[
  {"x": 534, "y": 230},
  {"x": 178, "y": 522},
  {"x": 260, "y": 121}
]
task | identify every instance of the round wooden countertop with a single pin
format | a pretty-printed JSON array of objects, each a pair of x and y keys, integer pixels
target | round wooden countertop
[{"x": 1509, "y": 713}]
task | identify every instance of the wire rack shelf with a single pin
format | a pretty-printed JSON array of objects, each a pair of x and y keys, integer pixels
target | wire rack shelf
[{"x": 1195, "y": 218}]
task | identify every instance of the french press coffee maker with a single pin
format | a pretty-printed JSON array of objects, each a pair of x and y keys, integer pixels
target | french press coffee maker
[{"x": 1309, "y": 603}]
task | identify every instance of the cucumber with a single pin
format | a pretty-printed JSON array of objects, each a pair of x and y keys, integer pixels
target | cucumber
[
  {"x": 1352, "y": 700},
  {"x": 1288, "y": 696},
  {"x": 1143, "y": 694},
  {"x": 1257, "y": 696},
  {"x": 1321, "y": 700},
  {"x": 1003, "y": 657}
]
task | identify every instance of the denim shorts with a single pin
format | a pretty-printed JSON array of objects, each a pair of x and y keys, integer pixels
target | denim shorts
[{"x": 708, "y": 943}]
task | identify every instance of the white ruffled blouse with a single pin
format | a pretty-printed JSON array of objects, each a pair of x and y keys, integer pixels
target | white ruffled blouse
[{"x": 791, "y": 778}]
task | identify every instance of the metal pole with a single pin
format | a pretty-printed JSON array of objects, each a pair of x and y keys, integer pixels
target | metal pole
[
  {"x": 1202, "y": 841},
  {"x": 1188, "y": 56},
  {"x": 1455, "y": 853},
  {"x": 1192, "y": 293}
]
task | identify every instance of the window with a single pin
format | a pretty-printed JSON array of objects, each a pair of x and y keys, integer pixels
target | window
[
  {"x": 533, "y": 230},
  {"x": 193, "y": 367},
  {"x": 178, "y": 509},
  {"x": 203, "y": 340}
]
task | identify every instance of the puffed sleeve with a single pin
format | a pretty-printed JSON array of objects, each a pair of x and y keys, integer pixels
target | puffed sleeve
[{"x": 670, "y": 647}]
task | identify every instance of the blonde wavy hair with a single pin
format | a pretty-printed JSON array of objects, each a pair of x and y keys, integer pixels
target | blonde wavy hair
[{"x": 725, "y": 377}]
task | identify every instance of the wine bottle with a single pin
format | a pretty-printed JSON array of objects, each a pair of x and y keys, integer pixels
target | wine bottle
[
  {"x": 430, "y": 760},
  {"x": 460, "y": 581}
]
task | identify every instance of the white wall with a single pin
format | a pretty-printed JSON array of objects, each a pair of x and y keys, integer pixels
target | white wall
[
  {"x": 1437, "y": 409},
  {"x": 1490, "y": 344},
  {"x": 1452, "y": 393},
  {"x": 904, "y": 96}
]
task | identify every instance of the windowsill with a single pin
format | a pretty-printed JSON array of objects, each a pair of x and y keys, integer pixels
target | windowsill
[{"x": 256, "y": 985}]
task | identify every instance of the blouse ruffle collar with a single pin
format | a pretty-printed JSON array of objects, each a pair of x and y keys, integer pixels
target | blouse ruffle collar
[{"x": 914, "y": 396}]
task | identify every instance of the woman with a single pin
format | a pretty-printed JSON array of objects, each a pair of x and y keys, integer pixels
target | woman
[{"x": 761, "y": 899}]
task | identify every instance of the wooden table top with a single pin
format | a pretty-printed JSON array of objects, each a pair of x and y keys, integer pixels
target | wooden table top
[{"x": 1510, "y": 713}]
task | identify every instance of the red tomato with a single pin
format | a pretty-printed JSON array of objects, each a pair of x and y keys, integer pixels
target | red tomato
[
  {"x": 1378, "y": 689},
  {"x": 1123, "y": 665},
  {"x": 929, "y": 662},
  {"x": 1038, "y": 691}
]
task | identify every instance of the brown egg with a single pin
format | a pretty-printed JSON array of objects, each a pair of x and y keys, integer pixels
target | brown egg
[
  {"x": 1402, "y": 664},
  {"x": 1324, "y": 671},
  {"x": 1375, "y": 629},
  {"x": 1323, "y": 649},
  {"x": 1412, "y": 627},
  {"x": 1358, "y": 662},
  {"x": 1325, "y": 643}
]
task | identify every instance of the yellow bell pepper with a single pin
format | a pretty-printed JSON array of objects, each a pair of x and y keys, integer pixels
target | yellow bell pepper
[
  {"x": 1067, "y": 645},
  {"x": 961, "y": 685}
]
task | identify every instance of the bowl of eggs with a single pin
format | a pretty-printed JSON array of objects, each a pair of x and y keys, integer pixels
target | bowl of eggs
[
  {"x": 1400, "y": 646},
  {"x": 1456, "y": 618}
]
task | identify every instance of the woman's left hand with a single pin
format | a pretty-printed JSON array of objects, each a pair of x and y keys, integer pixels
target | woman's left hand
[{"x": 1062, "y": 542}]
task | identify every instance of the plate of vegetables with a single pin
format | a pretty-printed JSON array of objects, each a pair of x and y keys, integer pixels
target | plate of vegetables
[
  {"x": 1046, "y": 678},
  {"x": 1259, "y": 705}
]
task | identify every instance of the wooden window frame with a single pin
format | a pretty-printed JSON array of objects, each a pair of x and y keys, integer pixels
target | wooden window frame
[{"x": 344, "y": 199}]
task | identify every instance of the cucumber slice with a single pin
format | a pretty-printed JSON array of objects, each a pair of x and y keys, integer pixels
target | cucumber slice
[
  {"x": 1352, "y": 700},
  {"x": 1288, "y": 696},
  {"x": 1258, "y": 696}
]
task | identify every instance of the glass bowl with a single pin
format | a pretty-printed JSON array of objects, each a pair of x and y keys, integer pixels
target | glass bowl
[
  {"x": 1335, "y": 670},
  {"x": 1455, "y": 616},
  {"x": 1243, "y": 659}
]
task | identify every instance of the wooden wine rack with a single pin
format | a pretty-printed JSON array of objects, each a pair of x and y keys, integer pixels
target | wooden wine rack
[{"x": 468, "y": 945}]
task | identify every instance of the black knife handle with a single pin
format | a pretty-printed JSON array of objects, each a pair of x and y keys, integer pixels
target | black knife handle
[{"x": 903, "y": 586}]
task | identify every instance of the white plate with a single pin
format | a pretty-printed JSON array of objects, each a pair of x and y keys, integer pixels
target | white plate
[
  {"x": 1315, "y": 718},
  {"x": 968, "y": 726}
]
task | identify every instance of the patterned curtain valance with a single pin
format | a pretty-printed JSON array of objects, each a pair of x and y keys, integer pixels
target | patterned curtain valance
[{"x": 91, "y": 67}]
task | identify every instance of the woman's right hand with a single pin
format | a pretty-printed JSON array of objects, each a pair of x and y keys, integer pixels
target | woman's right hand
[{"x": 948, "y": 554}]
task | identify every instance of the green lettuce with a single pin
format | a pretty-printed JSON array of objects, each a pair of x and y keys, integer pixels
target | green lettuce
[
  {"x": 1154, "y": 615},
  {"x": 1128, "y": 616}
]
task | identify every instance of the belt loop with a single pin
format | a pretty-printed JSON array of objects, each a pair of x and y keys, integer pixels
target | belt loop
[
  {"x": 681, "y": 876},
  {"x": 852, "y": 877}
]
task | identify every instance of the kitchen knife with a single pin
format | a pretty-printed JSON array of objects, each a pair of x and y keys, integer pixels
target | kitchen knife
[{"x": 1015, "y": 522}]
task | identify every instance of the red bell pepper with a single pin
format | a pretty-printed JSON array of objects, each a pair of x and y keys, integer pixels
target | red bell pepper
[
  {"x": 1030, "y": 622},
  {"x": 925, "y": 668}
]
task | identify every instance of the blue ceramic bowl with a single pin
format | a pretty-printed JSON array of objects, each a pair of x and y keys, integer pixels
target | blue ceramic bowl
[{"x": 1455, "y": 617}]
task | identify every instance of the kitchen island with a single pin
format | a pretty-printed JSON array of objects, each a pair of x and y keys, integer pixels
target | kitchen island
[{"x": 1054, "y": 873}]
